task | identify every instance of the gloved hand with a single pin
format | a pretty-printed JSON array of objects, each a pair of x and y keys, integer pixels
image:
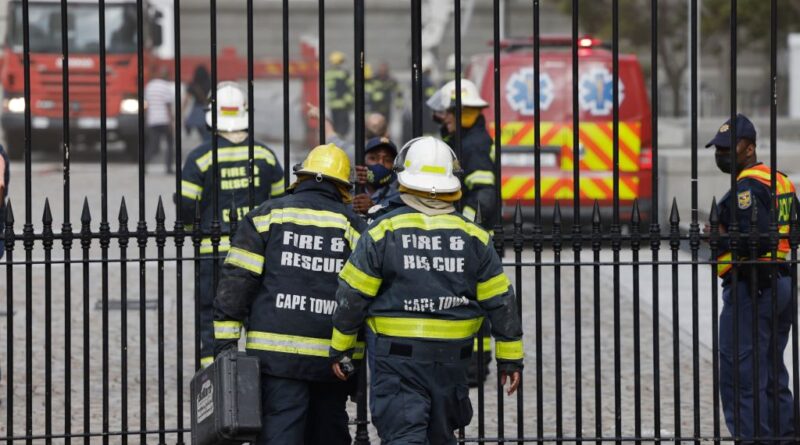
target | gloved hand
[
  {"x": 512, "y": 369},
  {"x": 343, "y": 366}
]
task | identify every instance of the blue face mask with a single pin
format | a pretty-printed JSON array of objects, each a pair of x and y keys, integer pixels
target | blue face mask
[{"x": 379, "y": 176}]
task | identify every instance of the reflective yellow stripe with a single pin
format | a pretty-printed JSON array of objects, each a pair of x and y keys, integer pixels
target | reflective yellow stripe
[
  {"x": 191, "y": 190},
  {"x": 278, "y": 188},
  {"x": 205, "y": 362},
  {"x": 509, "y": 350},
  {"x": 342, "y": 342},
  {"x": 435, "y": 169},
  {"x": 225, "y": 330},
  {"x": 425, "y": 327},
  {"x": 425, "y": 222},
  {"x": 725, "y": 261},
  {"x": 469, "y": 213},
  {"x": 302, "y": 217},
  {"x": 360, "y": 281},
  {"x": 250, "y": 261},
  {"x": 487, "y": 344},
  {"x": 294, "y": 344},
  {"x": 207, "y": 247},
  {"x": 234, "y": 154},
  {"x": 352, "y": 236},
  {"x": 493, "y": 287},
  {"x": 479, "y": 177}
]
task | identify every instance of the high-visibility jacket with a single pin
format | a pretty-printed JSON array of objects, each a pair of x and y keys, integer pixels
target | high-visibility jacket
[
  {"x": 478, "y": 179},
  {"x": 233, "y": 185},
  {"x": 339, "y": 87},
  {"x": 279, "y": 280},
  {"x": 381, "y": 93},
  {"x": 426, "y": 278},
  {"x": 753, "y": 189}
]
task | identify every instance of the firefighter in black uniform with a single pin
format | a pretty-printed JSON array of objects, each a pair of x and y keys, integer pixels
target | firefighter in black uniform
[
  {"x": 340, "y": 93},
  {"x": 382, "y": 90},
  {"x": 279, "y": 282},
  {"x": 423, "y": 277},
  {"x": 753, "y": 190},
  {"x": 233, "y": 188}
]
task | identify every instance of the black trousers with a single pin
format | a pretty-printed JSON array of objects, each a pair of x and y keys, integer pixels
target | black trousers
[
  {"x": 205, "y": 307},
  {"x": 340, "y": 118},
  {"x": 300, "y": 412},
  {"x": 155, "y": 134}
]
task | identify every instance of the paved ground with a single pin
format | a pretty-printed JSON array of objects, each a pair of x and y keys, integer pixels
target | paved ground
[{"x": 87, "y": 288}]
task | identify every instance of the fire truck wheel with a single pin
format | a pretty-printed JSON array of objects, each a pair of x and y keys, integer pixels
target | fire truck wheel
[{"x": 15, "y": 145}]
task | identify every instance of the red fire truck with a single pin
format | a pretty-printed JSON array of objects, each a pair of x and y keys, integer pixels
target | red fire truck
[
  {"x": 122, "y": 106},
  {"x": 596, "y": 106}
]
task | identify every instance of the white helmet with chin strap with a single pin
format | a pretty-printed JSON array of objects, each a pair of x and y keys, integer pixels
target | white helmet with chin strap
[
  {"x": 428, "y": 165},
  {"x": 231, "y": 108},
  {"x": 445, "y": 98}
]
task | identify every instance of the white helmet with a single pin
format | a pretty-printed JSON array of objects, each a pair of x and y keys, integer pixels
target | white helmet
[
  {"x": 428, "y": 165},
  {"x": 231, "y": 108},
  {"x": 445, "y": 98}
]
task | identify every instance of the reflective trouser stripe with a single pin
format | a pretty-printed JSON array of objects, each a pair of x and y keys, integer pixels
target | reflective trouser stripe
[
  {"x": 509, "y": 350},
  {"x": 294, "y": 344},
  {"x": 425, "y": 327},
  {"x": 227, "y": 330}
]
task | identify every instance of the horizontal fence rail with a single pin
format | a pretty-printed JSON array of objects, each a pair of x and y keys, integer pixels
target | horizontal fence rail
[{"x": 620, "y": 304}]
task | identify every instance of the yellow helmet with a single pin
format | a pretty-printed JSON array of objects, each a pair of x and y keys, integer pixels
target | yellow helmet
[
  {"x": 367, "y": 71},
  {"x": 326, "y": 161},
  {"x": 336, "y": 57}
]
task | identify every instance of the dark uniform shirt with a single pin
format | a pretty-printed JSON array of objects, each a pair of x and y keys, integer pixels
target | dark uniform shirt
[
  {"x": 233, "y": 187},
  {"x": 279, "y": 279},
  {"x": 339, "y": 87}
]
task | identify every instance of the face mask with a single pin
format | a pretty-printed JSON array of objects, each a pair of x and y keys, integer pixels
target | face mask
[
  {"x": 723, "y": 162},
  {"x": 379, "y": 176}
]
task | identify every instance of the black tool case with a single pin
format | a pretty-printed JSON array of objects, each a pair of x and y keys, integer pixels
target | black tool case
[{"x": 226, "y": 401}]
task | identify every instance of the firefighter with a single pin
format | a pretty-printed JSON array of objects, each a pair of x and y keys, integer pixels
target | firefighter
[
  {"x": 279, "y": 280},
  {"x": 340, "y": 93},
  {"x": 382, "y": 91},
  {"x": 198, "y": 185},
  {"x": 377, "y": 175},
  {"x": 423, "y": 277},
  {"x": 753, "y": 192}
]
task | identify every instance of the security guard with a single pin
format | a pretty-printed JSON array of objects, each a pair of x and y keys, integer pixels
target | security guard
[
  {"x": 279, "y": 279},
  {"x": 377, "y": 175},
  {"x": 424, "y": 277},
  {"x": 233, "y": 152},
  {"x": 340, "y": 93},
  {"x": 753, "y": 190}
]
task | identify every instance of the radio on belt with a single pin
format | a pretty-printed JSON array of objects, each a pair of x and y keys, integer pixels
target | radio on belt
[{"x": 226, "y": 401}]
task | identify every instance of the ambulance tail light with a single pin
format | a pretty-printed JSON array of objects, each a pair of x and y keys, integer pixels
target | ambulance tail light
[
  {"x": 589, "y": 42},
  {"x": 646, "y": 159}
]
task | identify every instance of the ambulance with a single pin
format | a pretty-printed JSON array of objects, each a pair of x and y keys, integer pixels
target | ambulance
[{"x": 595, "y": 98}]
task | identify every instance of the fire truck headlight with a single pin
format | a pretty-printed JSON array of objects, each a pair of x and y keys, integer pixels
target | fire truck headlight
[
  {"x": 15, "y": 104},
  {"x": 129, "y": 106}
]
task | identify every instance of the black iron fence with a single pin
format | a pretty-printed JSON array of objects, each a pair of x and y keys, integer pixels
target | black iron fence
[{"x": 607, "y": 358}]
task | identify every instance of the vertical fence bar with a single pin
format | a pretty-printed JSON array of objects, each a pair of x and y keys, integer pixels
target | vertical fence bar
[
  {"x": 197, "y": 240},
  {"x": 675, "y": 244},
  {"x": 616, "y": 242},
  {"x": 773, "y": 162},
  {"x": 47, "y": 244},
  {"x": 636, "y": 239},
  {"x": 794, "y": 240},
  {"x": 655, "y": 229},
  {"x": 752, "y": 241},
  {"x": 733, "y": 230},
  {"x": 597, "y": 243},
  {"x": 321, "y": 58},
  {"x": 9, "y": 241},
  {"x": 86, "y": 244},
  {"x": 27, "y": 229},
  {"x": 576, "y": 223},
  {"x": 416, "y": 67},
  {"x": 537, "y": 230},
  {"x": 557, "y": 246},
  {"x": 216, "y": 226},
  {"x": 251, "y": 182},
  {"x": 286, "y": 123},
  {"x": 141, "y": 225},
  {"x": 161, "y": 239},
  {"x": 713, "y": 242},
  {"x": 519, "y": 241},
  {"x": 694, "y": 228},
  {"x": 179, "y": 225},
  {"x": 105, "y": 234},
  {"x": 123, "y": 234}
]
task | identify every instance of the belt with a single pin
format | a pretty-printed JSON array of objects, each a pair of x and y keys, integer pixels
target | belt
[{"x": 424, "y": 351}]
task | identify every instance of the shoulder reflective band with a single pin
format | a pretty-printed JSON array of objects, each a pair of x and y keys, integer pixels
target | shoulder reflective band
[
  {"x": 205, "y": 362},
  {"x": 191, "y": 190},
  {"x": 424, "y": 222},
  {"x": 277, "y": 188},
  {"x": 343, "y": 342},
  {"x": 509, "y": 350},
  {"x": 246, "y": 260},
  {"x": 235, "y": 154},
  {"x": 493, "y": 287},
  {"x": 301, "y": 217},
  {"x": 360, "y": 281},
  {"x": 207, "y": 247},
  {"x": 295, "y": 344},
  {"x": 469, "y": 213},
  {"x": 425, "y": 327},
  {"x": 479, "y": 177},
  {"x": 227, "y": 330}
]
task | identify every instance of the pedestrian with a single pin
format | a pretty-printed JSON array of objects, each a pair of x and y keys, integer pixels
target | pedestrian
[
  {"x": 339, "y": 86},
  {"x": 753, "y": 194},
  {"x": 232, "y": 187},
  {"x": 280, "y": 278},
  {"x": 5, "y": 177},
  {"x": 477, "y": 162},
  {"x": 422, "y": 278},
  {"x": 196, "y": 101},
  {"x": 159, "y": 98},
  {"x": 377, "y": 175},
  {"x": 383, "y": 92}
]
